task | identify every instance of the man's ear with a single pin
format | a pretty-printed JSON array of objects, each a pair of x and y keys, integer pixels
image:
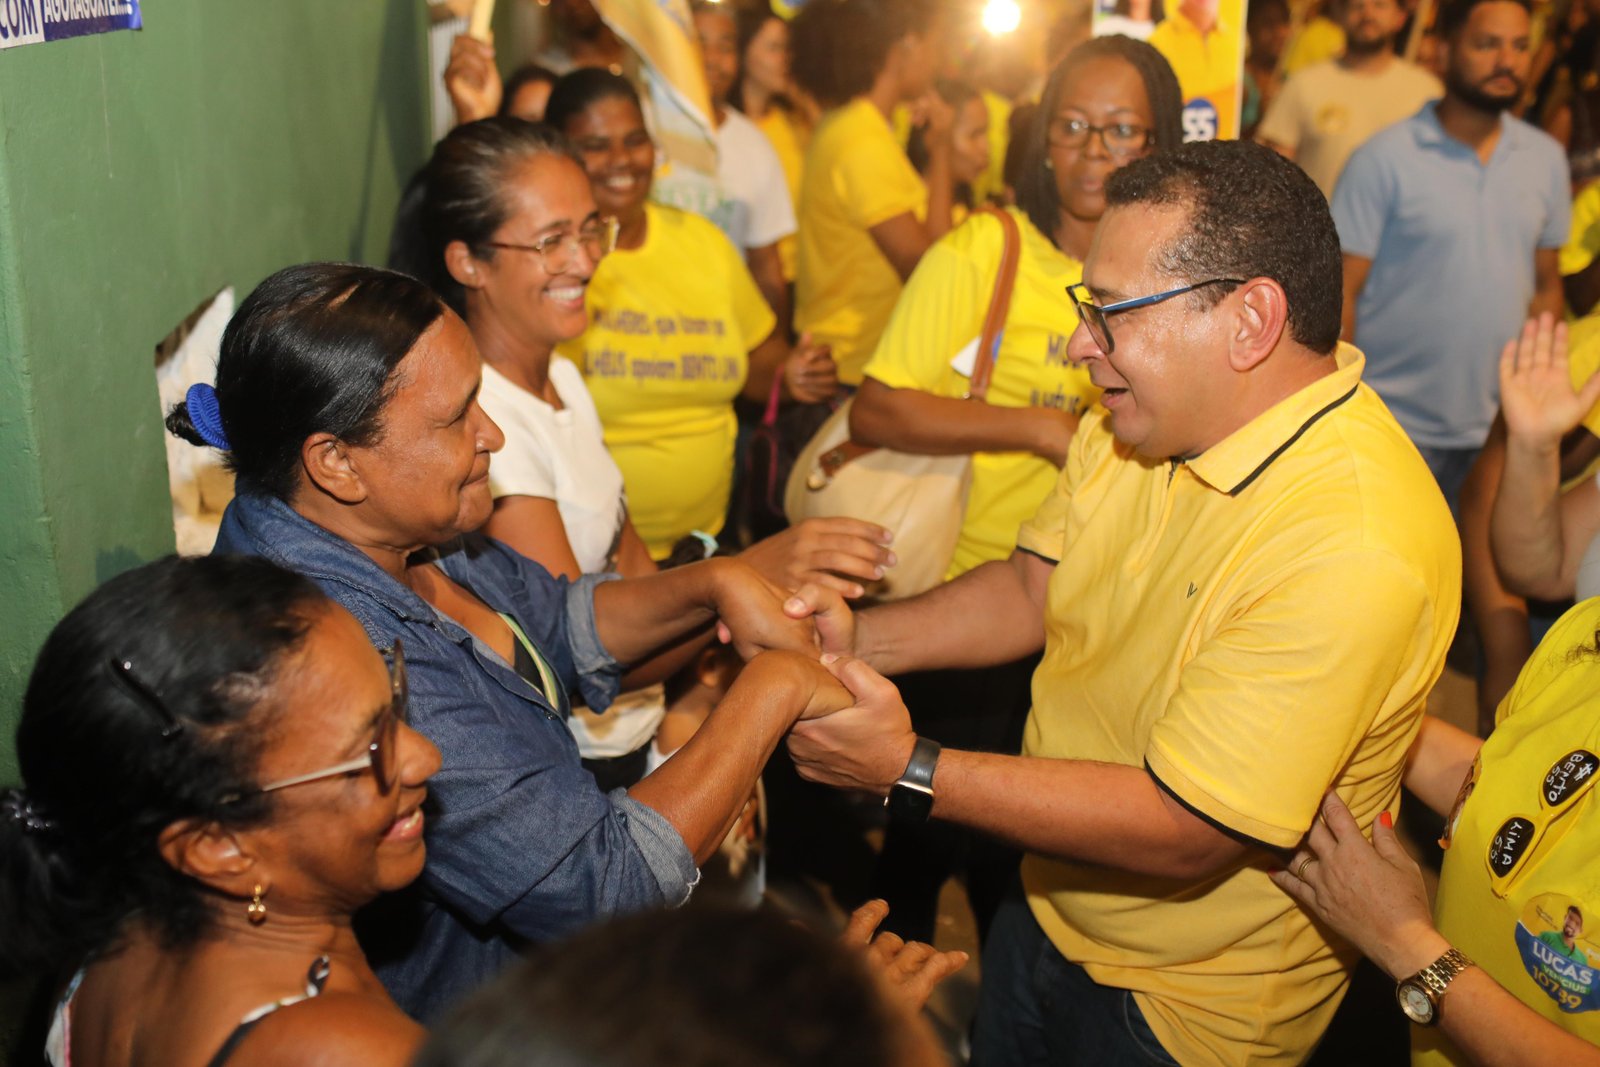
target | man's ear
[
  {"x": 463, "y": 265},
  {"x": 329, "y": 466},
  {"x": 1259, "y": 324},
  {"x": 210, "y": 855}
]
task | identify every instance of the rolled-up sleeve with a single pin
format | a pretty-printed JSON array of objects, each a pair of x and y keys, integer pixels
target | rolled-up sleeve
[{"x": 599, "y": 676}]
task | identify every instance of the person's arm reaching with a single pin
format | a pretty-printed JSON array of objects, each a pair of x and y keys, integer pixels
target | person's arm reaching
[
  {"x": 911, "y": 420},
  {"x": 766, "y": 267},
  {"x": 1438, "y": 763},
  {"x": 638, "y": 617},
  {"x": 957, "y": 624},
  {"x": 1372, "y": 893},
  {"x": 1074, "y": 809},
  {"x": 903, "y": 238},
  {"x": 702, "y": 789},
  {"x": 1500, "y": 616},
  {"x": 472, "y": 80},
  {"x": 1539, "y": 535}
]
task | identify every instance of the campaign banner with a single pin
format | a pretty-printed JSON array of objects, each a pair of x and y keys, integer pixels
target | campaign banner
[
  {"x": 661, "y": 33},
  {"x": 37, "y": 21},
  {"x": 1204, "y": 41}
]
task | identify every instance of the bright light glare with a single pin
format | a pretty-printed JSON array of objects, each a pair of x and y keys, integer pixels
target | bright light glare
[{"x": 1001, "y": 16}]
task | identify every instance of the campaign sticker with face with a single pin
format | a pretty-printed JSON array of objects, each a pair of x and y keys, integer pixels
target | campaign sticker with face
[
  {"x": 1557, "y": 955},
  {"x": 1568, "y": 777}
]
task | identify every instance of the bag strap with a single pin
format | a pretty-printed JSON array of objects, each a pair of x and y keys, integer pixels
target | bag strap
[{"x": 994, "y": 322}]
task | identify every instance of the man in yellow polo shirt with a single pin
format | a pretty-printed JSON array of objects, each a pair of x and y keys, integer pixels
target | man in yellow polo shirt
[
  {"x": 1244, "y": 584},
  {"x": 1206, "y": 54}
]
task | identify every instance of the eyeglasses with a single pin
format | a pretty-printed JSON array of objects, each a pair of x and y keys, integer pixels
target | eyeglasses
[
  {"x": 1120, "y": 138},
  {"x": 380, "y": 753},
  {"x": 1093, "y": 316},
  {"x": 557, "y": 250}
]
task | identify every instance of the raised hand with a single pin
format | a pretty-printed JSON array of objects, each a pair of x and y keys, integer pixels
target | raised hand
[
  {"x": 836, "y": 553},
  {"x": 908, "y": 970},
  {"x": 1370, "y": 892},
  {"x": 934, "y": 117},
  {"x": 809, "y": 374},
  {"x": 1536, "y": 392},
  {"x": 472, "y": 79}
]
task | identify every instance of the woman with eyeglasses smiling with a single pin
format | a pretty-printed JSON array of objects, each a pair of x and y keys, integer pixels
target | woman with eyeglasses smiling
[
  {"x": 218, "y": 773},
  {"x": 1110, "y": 101},
  {"x": 505, "y": 228},
  {"x": 677, "y": 327}
]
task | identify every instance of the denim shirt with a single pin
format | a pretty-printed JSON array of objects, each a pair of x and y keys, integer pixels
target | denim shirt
[{"x": 522, "y": 846}]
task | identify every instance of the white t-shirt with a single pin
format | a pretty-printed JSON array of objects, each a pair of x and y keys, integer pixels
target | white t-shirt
[
  {"x": 560, "y": 456},
  {"x": 1325, "y": 112},
  {"x": 756, "y": 210}
]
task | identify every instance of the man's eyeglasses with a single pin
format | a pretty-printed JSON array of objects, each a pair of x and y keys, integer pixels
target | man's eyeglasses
[
  {"x": 379, "y": 755},
  {"x": 556, "y": 251},
  {"x": 1120, "y": 138},
  {"x": 1093, "y": 316}
]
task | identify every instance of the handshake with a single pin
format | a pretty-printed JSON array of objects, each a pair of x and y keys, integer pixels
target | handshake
[{"x": 848, "y": 726}]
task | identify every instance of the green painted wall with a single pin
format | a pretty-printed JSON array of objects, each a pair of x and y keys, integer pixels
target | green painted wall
[{"x": 139, "y": 173}]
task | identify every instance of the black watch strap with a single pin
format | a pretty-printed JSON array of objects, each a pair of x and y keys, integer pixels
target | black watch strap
[{"x": 910, "y": 799}]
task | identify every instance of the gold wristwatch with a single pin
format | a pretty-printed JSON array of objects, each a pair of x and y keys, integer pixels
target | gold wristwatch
[{"x": 1420, "y": 994}]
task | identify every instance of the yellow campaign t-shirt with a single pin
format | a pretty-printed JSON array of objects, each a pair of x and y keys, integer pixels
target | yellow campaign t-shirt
[
  {"x": 788, "y": 137},
  {"x": 941, "y": 313},
  {"x": 1253, "y": 626},
  {"x": 1521, "y": 846},
  {"x": 856, "y": 177},
  {"x": 1207, "y": 65},
  {"x": 671, "y": 325}
]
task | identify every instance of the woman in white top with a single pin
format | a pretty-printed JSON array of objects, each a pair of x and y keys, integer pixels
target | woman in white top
[{"x": 504, "y": 226}]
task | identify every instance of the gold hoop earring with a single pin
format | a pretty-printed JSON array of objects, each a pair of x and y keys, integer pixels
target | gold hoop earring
[
  {"x": 1049, "y": 164},
  {"x": 256, "y": 910}
]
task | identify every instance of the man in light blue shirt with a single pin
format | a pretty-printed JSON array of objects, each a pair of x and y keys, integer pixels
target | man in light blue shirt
[{"x": 1450, "y": 223}]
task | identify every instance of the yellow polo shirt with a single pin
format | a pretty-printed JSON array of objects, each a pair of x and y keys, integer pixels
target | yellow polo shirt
[
  {"x": 1208, "y": 66},
  {"x": 856, "y": 176},
  {"x": 941, "y": 313},
  {"x": 1254, "y": 626},
  {"x": 1522, "y": 843}
]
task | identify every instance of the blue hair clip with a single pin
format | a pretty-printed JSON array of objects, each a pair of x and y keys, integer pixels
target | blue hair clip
[{"x": 206, "y": 415}]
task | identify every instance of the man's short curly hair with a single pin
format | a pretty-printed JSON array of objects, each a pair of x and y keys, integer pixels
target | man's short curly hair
[{"x": 1252, "y": 214}]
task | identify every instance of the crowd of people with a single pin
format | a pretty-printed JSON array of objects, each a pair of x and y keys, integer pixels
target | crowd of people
[{"x": 502, "y": 659}]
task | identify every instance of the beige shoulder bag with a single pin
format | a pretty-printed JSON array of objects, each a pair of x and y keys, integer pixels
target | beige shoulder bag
[{"x": 921, "y": 499}]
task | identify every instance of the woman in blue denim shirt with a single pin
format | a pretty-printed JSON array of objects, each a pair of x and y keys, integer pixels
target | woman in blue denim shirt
[{"x": 346, "y": 402}]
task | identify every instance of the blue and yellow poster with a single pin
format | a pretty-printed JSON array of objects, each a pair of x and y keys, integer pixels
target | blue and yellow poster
[{"x": 37, "y": 21}]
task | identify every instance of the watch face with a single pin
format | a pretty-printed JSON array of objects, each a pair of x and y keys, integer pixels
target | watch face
[{"x": 1414, "y": 1001}]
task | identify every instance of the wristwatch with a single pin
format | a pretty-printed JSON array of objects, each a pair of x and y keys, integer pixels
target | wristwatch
[
  {"x": 1420, "y": 994},
  {"x": 910, "y": 799}
]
